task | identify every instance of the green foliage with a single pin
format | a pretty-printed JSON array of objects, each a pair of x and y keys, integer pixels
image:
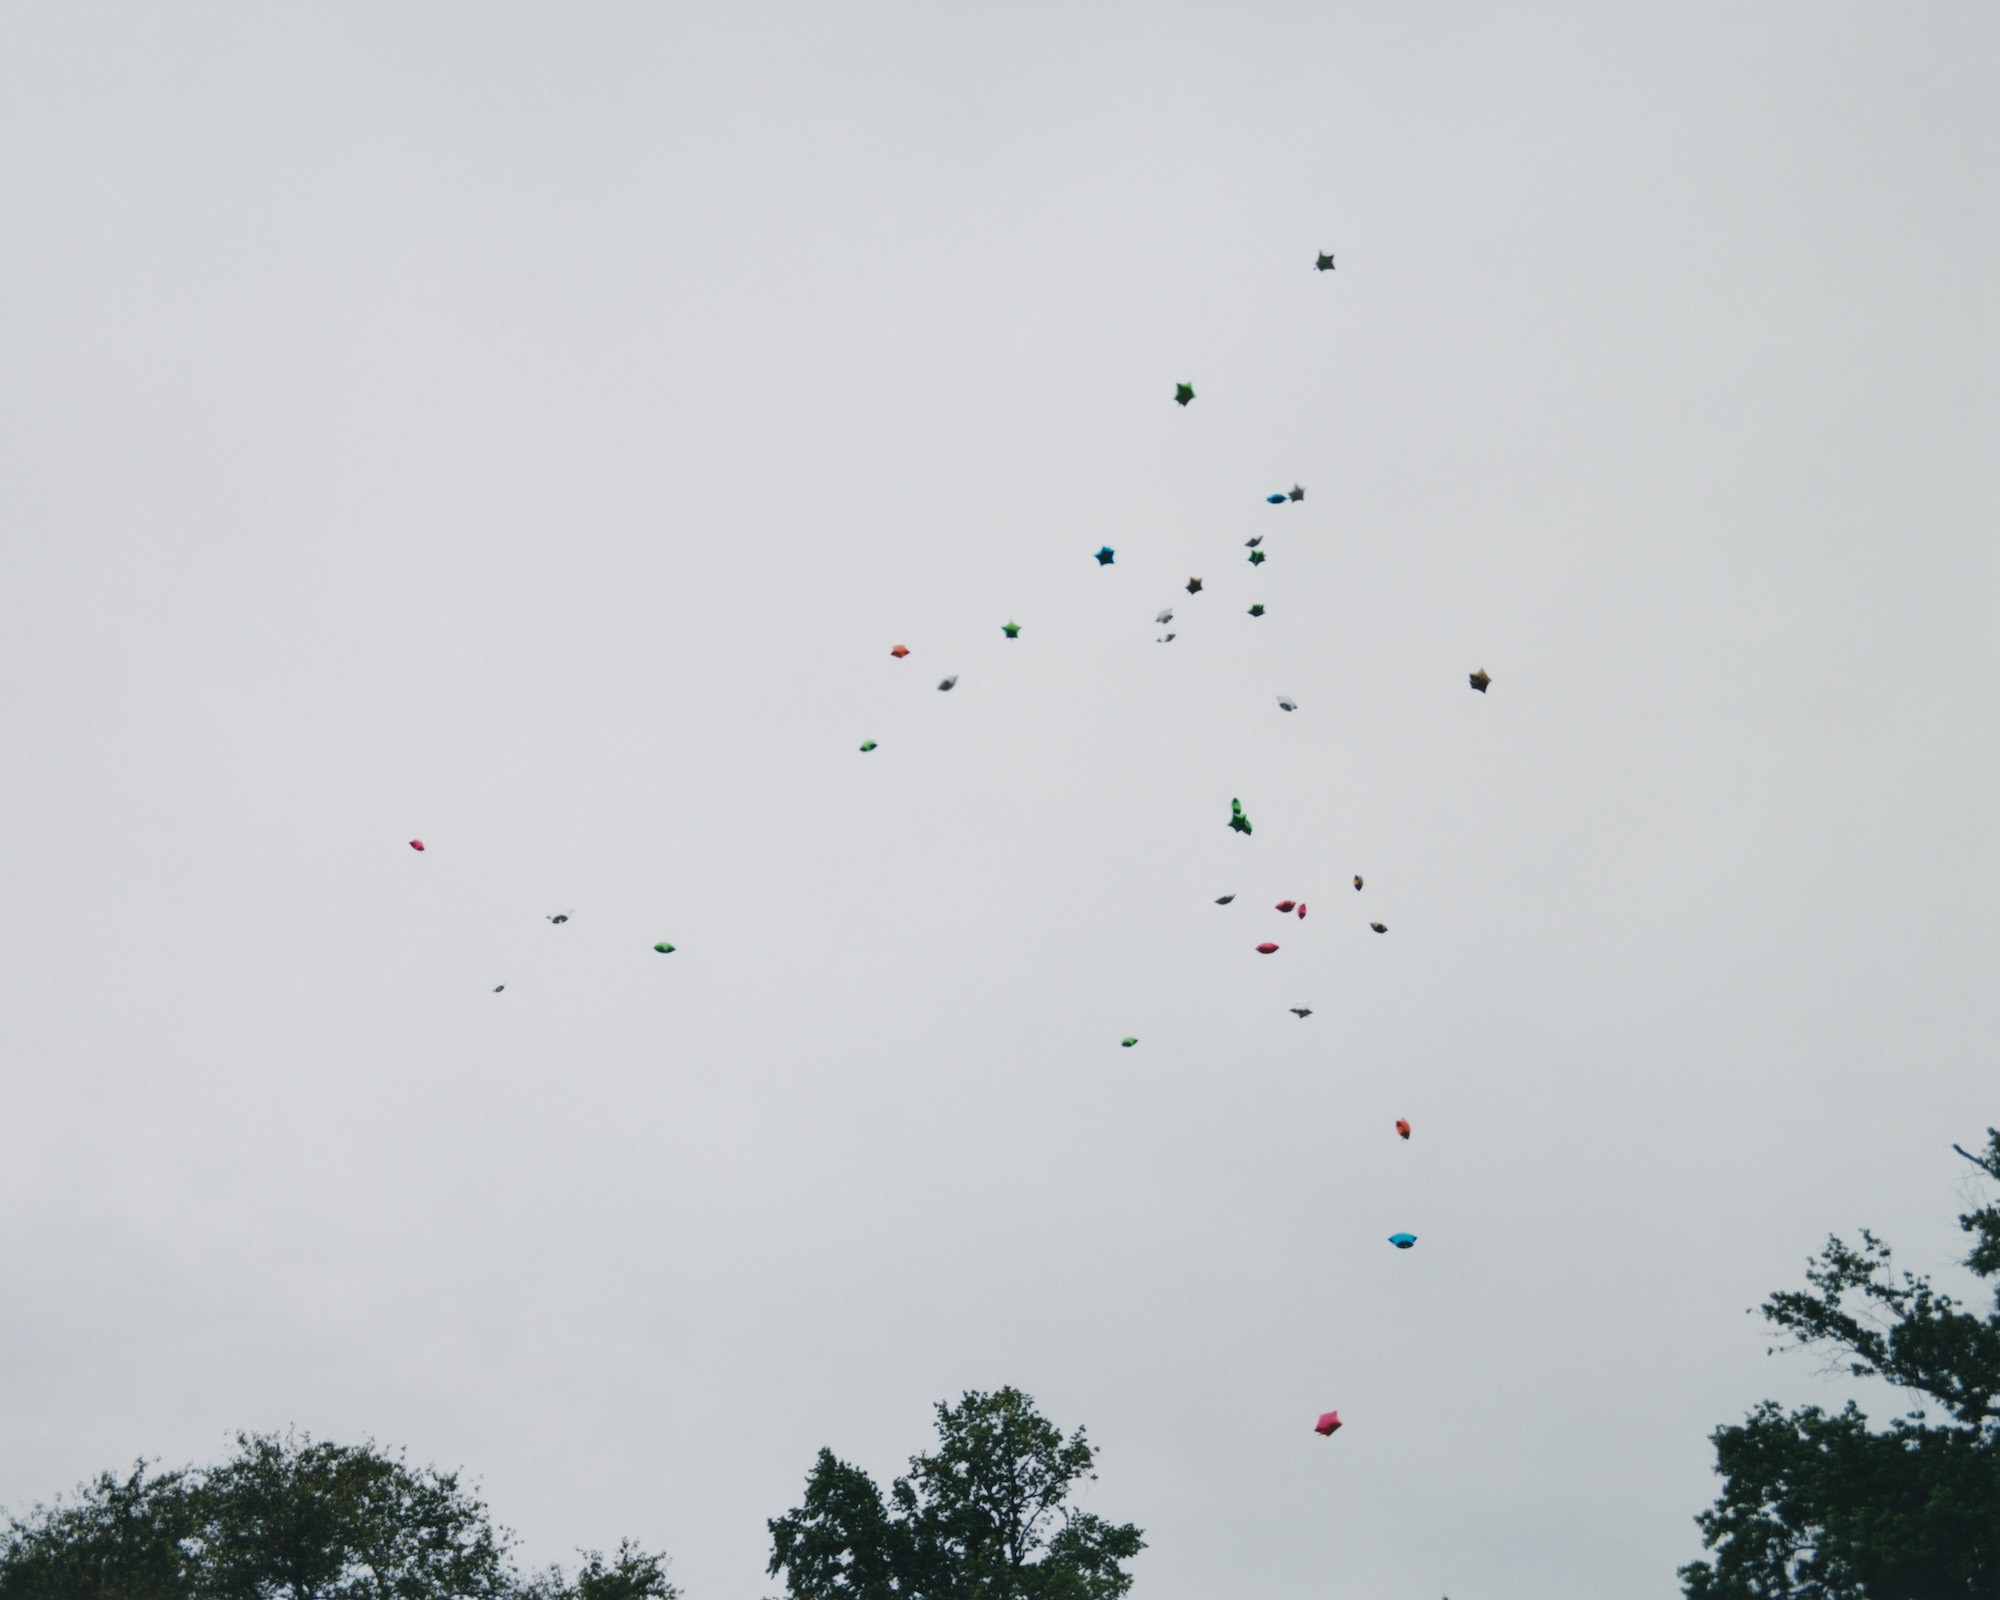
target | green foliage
[
  {"x": 987, "y": 1517},
  {"x": 841, "y": 1544},
  {"x": 1821, "y": 1507},
  {"x": 632, "y": 1575},
  {"x": 119, "y": 1540},
  {"x": 299, "y": 1518},
  {"x": 289, "y": 1519}
]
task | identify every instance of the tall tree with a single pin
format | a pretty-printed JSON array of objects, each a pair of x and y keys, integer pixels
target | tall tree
[
  {"x": 119, "y": 1539},
  {"x": 1820, "y": 1506},
  {"x": 320, "y": 1521},
  {"x": 985, "y": 1517},
  {"x": 288, "y": 1518}
]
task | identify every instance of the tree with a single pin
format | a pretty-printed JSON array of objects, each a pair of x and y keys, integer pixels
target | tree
[
  {"x": 116, "y": 1541},
  {"x": 633, "y": 1575},
  {"x": 1821, "y": 1507},
  {"x": 324, "y": 1521},
  {"x": 985, "y": 1518},
  {"x": 290, "y": 1518}
]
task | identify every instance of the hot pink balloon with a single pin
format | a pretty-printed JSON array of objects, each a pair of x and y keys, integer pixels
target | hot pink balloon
[
  {"x": 416, "y": 844},
  {"x": 1327, "y": 1423}
]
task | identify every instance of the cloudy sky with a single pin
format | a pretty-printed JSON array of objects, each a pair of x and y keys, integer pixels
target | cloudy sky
[{"x": 528, "y": 428}]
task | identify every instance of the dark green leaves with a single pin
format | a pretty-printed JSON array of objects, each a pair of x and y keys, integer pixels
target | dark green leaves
[
  {"x": 114, "y": 1541},
  {"x": 631, "y": 1575},
  {"x": 290, "y": 1518},
  {"x": 986, "y": 1517},
  {"x": 1820, "y": 1506},
  {"x": 841, "y": 1544}
]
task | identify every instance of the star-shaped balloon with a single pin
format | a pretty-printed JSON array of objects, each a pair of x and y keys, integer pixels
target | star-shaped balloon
[
  {"x": 1256, "y": 558},
  {"x": 1325, "y": 263},
  {"x": 866, "y": 747},
  {"x": 1183, "y": 393},
  {"x": 1011, "y": 629},
  {"x": 1297, "y": 493},
  {"x": 1479, "y": 680},
  {"x": 1237, "y": 820},
  {"x": 1104, "y": 556},
  {"x": 1256, "y": 611},
  {"x": 1194, "y": 586}
]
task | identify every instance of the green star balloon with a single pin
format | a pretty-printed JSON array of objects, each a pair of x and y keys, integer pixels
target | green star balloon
[
  {"x": 1128, "y": 1043},
  {"x": 664, "y": 949},
  {"x": 1256, "y": 558},
  {"x": 870, "y": 745},
  {"x": 1183, "y": 393},
  {"x": 1256, "y": 611},
  {"x": 1011, "y": 629},
  {"x": 1237, "y": 820}
]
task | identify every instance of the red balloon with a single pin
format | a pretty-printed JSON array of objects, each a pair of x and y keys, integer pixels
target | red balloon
[
  {"x": 1327, "y": 1423},
  {"x": 1286, "y": 905},
  {"x": 1402, "y": 1127},
  {"x": 1267, "y": 949},
  {"x": 416, "y": 844},
  {"x": 1302, "y": 911}
]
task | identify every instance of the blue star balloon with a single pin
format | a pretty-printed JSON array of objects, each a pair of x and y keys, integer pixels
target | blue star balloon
[
  {"x": 1104, "y": 556},
  {"x": 1402, "y": 1241}
]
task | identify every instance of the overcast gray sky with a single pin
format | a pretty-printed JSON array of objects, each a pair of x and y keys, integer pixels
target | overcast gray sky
[{"x": 528, "y": 427}]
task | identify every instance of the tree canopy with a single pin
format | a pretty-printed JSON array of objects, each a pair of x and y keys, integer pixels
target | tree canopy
[
  {"x": 1820, "y": 1506},
  {"x": 986, "y": 1517},
  {"x": 290, "y": 1518}
]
